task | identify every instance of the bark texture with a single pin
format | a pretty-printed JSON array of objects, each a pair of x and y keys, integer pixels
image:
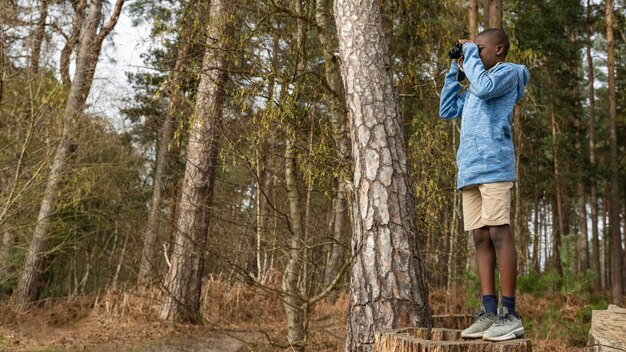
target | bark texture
[
  {"x": 495, "y": 14},
  {"x": 614, "y": 219},
  {"x": 29, "y": 284},
  {"x": 183, "y": 282},
  {"x": 473, "y": 19},
  {"x": 387, "y": 284}
]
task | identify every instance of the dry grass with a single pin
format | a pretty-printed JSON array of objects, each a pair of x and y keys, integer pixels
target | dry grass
[{"x": 129, "y": 320}]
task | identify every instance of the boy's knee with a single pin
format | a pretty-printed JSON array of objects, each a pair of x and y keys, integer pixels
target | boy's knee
[
  {"x": 499, "y": 234},
  {"x": 481, "y": 236}
]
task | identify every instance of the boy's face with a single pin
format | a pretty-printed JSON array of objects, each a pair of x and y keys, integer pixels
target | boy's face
[{"x": 489, "y": 50}]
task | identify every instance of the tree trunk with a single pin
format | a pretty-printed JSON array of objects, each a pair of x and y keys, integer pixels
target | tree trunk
[
  {"x": 583, "y": 242},
  {"x": 8, "y": 242},
  {"x": 3, "y": 66},
  {"x": 293, "y": 301},
  {"x": 40, "y": 31},
  {"x": 183, "y": 282},
  {"x": 558, "y": 231},
  {"x": 473, "y": 19},
  {"x": 486, "y": 13},
  {"x": 291, "y": 295},
  {"x": 537, "y": 230},
  {"x": 595, "y": 262},
  {"x": 29, "y": 284},
  {"x": 337, "y": 104},
  {"x": 604, "y": 258},
  {"x": 517, "y": 218},
  {"x": 387, "y": 285},
  {"x": 72, "y": 41},
  {"x": 167, "y": 132},
  {"x": 495, "y": 14},
  {"x": 613, "y": 194}
]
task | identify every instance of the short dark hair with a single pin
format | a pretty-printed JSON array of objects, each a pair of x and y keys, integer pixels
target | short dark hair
[{"x": 500, "y": 37}]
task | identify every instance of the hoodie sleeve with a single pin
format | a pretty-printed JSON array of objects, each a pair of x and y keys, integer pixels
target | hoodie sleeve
[
  {"x": 483, "y": 84},
  {"x": 451, "y": 102}
]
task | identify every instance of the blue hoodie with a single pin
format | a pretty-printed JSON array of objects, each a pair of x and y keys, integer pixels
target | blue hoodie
[{"x": 485, "y": 152}]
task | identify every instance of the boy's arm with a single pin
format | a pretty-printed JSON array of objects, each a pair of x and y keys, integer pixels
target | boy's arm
[
  {"x": 451, "y": 102},
  {"x": 482, "y": 84}
]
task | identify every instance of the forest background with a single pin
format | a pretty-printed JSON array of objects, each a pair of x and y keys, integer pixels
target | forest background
[{"x": 227, "y": 196}]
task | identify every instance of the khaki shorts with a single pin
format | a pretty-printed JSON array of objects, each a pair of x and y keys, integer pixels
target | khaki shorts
[{"x": 488, "y": 204}]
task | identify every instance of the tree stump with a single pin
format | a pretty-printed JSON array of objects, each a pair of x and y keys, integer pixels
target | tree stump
[
  {"x": 608, "y": 330},
  {"x": 441, "y": 340}
]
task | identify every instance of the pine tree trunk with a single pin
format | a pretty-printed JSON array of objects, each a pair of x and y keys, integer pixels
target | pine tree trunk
[
  {"x": 387, "y": 286},
  {"x": 473, "y": 19},
  {"x": 558, "y": 231},
  {"x": 337, "y": 104},
  {"x": 593, "y": 196},
  {"x": 183, "y": 283},
  {"x": 166, "y": 134},
  {"x": 536, "y": 235},
  {"x": 29, "y": 285},
  {"x": 613, "y": 194},
  {"x": 486, "y": 13},
  {"x": 495, "y": 14}
]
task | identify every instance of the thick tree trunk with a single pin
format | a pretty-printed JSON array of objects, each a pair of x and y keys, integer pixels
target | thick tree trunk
[
  {"x": 183, "y": 282},
  {"x": 29, "y": 284},
  {"x": 613, "y": 194},
  {"x": 337, "y": 104},
  {"x": 387, "y": 286},
  {"x": 495, "y": 14},
  {"x": 473, "y": 19},
  {"x": 486, "y": 13},
  {"x": 167, "y": 131}
]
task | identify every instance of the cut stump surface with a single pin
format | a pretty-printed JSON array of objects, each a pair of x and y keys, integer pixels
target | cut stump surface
[
  {"x": 608, "y": 330},
  {"x": 441, "y": 340}
]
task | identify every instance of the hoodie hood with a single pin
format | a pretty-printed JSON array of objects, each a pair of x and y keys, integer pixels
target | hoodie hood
[{"x": 523, "y": 77}]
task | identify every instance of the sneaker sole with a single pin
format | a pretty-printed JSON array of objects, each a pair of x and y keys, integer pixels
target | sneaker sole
[{"x": 510, "y": 336}]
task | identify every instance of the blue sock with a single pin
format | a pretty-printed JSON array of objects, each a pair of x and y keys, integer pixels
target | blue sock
[
  {"x": 490, "y": 302},
  {"x": 509, "y": 303}
]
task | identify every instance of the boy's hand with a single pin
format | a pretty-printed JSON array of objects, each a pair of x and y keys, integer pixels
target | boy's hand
[{"x": 462, "y": 41}]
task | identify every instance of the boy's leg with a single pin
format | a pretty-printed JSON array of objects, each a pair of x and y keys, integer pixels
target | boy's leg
[
  {"x": 485, "y": 260},
  {"x": 507, "y": 257},
  {"x": 496, "y": 213}
]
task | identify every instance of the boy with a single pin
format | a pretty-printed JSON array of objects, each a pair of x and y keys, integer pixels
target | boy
[{"x": 486, "y": 165}]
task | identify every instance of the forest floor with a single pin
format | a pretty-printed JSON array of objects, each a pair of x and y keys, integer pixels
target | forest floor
[{"x": 241, "y": 318}]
